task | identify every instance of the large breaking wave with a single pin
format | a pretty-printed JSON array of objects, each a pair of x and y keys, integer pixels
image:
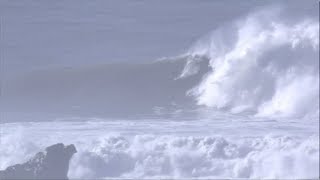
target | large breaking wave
[{"x": 265, "y": 65}]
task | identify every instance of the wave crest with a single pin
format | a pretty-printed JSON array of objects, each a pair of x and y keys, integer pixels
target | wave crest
[{"x": 261, "y": 64}]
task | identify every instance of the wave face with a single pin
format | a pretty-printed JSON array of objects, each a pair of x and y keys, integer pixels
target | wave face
[
  {"x": 110, "y": 90},
  {"x": 264, "y": 64}
]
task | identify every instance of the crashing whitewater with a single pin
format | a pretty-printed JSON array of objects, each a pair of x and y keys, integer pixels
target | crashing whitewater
[
  {"x": 249, "y": 108},
  {"x": 261, "y": 65}
]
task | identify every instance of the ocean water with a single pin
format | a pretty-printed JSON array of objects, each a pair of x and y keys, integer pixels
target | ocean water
[{"x": 179, "y": 89}]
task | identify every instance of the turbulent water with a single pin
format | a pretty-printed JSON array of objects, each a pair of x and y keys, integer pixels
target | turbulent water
[{"x": 241, "y": 102}]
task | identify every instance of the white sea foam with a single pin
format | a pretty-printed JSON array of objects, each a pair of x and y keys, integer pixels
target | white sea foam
[
  {"x": 169, "y": 149},
  {"x": 215, "y": 157}
]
